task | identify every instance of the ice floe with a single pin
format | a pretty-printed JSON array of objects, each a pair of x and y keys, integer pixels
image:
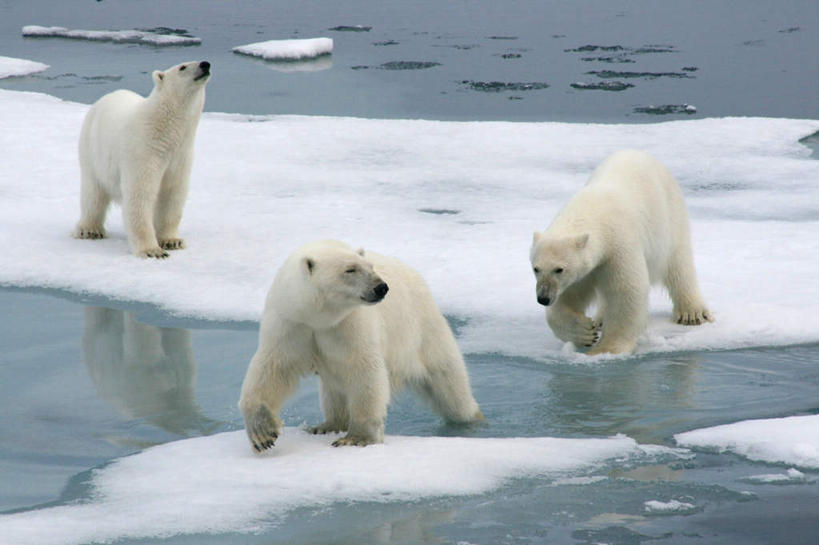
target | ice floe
[
  {"x": 120, "y": 36},
  {"x": 263, "y": 185},
  {"x": 671, "y": 507},
  {"x": 288, "y": 50},
  {"x": 11, "y": 67},
  {"x": 793, "y": 440},
  {"x": 216, "y": 484}
]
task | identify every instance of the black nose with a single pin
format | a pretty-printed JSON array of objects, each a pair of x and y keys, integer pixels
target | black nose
[
  {"x": 544, "y": 301},
  {"x": 381, "y": 290},
  {"x": 204, "y": 65}
]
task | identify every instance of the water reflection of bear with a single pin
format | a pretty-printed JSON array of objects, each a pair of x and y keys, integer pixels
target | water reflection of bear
[{"x": 144, "y": 371}]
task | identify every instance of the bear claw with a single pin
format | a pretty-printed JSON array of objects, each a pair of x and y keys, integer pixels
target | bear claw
[
  {"x": 262, "y": 429},
  {"x": 172, "y": 244},
  {"x": 356, "y": 441}
]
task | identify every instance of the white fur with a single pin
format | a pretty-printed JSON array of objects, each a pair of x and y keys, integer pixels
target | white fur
[
  {"x": 625, "y": 230},
  {"x": 322, "y": 315},
  {"x": 139, "y": 151}
]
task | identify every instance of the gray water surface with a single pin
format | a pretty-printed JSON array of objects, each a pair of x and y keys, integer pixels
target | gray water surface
[{"x": 595, "y": 60}]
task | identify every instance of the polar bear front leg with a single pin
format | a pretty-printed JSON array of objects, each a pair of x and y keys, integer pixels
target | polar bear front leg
[
  {"x": 368, "y": 395},
  {"x": 567, "y": 316},
  {"x": 266, "y": 387},
  {"x": 139, "y": 196},
  {"x": 624, "y": 309}
]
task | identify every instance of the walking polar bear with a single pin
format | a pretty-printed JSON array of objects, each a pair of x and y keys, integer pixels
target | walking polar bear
[
  {"x": 139, "y": 151},
  {"x": 625, "y": 230},
  {"x": 367, "y": 325}
]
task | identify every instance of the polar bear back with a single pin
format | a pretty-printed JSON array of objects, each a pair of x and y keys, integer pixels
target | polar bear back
[
  {"x": 103, "y": 135},
  {"x": 412, "y": 327},
  {"x": 631, "y": 200}
]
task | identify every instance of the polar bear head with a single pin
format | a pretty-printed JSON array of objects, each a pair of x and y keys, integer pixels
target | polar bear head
[
  {"x": 182, "y": 82},
  {"x": 324, "y": 281},
  {"x": 558, "y": 262}
]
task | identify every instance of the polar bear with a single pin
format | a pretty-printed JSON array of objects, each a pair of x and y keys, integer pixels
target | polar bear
[
  {"x": 139, "y": 151},
  {"x": 367, "y": 325},
  {"x": 625, "y": 230}
]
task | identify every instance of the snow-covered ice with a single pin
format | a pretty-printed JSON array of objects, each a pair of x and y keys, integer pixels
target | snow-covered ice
[
  {"x": 793, "y": 440},
  {"x": 288, "y": 50},
  {"x": 123, "y": 36},
  {"x": 791, "y": 476},
  {"x": 456, "y": 200},
  {"x": 11, "y": 67},
  {"x": 672, "y": 507},
  {"x": 216, "y": 484}
]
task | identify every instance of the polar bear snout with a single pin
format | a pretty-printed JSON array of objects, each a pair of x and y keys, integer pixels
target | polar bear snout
[
  {"x": 544, "y": 300},
  {"x": 204, "y": 71},
  {"x": 377, "y": 293}
]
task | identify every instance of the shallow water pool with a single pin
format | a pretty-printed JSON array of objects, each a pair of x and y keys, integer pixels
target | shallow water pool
[{"x": 86, "y": 381}]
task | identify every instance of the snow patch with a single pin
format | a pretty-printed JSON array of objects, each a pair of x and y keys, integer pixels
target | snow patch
[
  {"x": 791, "y": 476},
  {"x": 672, "y": 507}
]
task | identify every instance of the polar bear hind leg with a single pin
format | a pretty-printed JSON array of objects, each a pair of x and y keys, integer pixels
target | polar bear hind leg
[
  {"x": 169, "y": 206},
  {"x": 446, "y": 385},
  {"x": 681, "y": 282},
  {"x": 334, "y": 405},
  {"x": 94, "y": 201}
]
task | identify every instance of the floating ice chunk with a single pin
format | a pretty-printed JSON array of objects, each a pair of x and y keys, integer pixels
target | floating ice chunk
[
  {"x": 750, "y": 185},
  {"x": 793, "y": 440},
  {"x": 120, "y": 36},
  {"x": 11, "y": 67},
  {"x": 216, "y": 484},
  {"x": 791, "y": 476},
  {"x": 673, "y": 507},
  {"x": 288, "y": 50}
]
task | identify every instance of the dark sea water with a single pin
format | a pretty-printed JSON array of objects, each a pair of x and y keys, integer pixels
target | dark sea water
[
  {"x": 462, "y": 59},
  {"x": 77, "y": 389}
]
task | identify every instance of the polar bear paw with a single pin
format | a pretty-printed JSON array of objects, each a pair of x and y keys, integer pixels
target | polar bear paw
[
  {"x": 693, "y": 316},
  {"x": 325, "y": 428},
  {"x": 354, "y": 440},
  {"x": 157, "y": 253},
  {"x": 586, "y": 332},
  {"x": 171, "y": 243},
  {"x": 262, "y": 428},
  {"x": 89, "y": 232}
]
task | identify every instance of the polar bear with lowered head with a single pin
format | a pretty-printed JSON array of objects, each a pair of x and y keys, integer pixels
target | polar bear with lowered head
[
  {"x": 625, "y": 230},
  {"x": 138, "y": 151},
  {"x": 367, "y": 325}
]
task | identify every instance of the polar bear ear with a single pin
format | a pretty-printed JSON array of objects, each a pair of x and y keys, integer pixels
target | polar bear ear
[
  {"x": 309, "y": 264},
  {"x": 581, "y": 241},
  {"x": 360, "y": 252},
  {"x": 536, "y": 237},
  {"x": 158, "y": 77}
]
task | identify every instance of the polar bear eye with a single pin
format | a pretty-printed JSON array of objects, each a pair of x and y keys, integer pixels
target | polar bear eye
[
  {"x": 536, "y": 270},
  {"x": 351, "y": 270},
  {"x": 558, "y": 270},
  {"x": 182, "y": 67}
]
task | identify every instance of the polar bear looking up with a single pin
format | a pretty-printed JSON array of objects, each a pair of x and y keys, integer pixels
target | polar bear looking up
[
  {"x": 368, "y": 326},
  {"x": 624, "y": 231},
  {"x": 138, "y": 151}
]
